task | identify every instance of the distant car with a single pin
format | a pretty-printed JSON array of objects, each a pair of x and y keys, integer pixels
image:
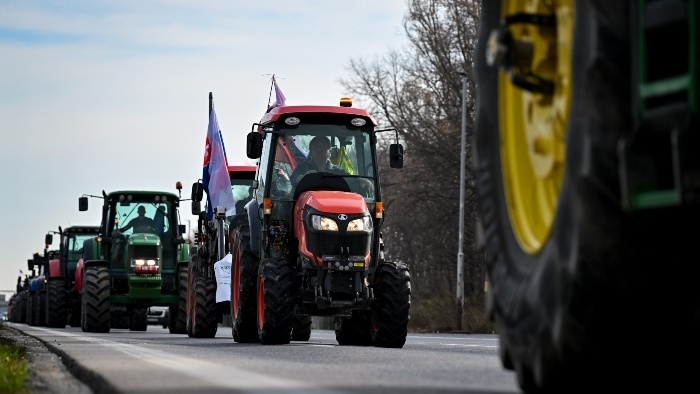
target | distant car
[{"x": 158, "y": 315}]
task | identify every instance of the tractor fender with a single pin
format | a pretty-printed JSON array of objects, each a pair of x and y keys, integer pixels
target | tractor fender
[
  {"x": 254, "y": 224},
  {"x": 54, "y": 269},
  {"x": 36, "y": 284}
]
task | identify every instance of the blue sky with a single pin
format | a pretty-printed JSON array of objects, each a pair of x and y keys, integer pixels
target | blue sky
[{"x": 107, "y": 95}]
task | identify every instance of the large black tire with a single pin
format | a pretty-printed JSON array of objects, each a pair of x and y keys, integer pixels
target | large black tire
[
  {"x": 244, "y": 283},
  {"x": 31, "y": 309},
  {"x": 355, "y": 330},
  {"x": 75, "y": 304},
  {"x": 40, "y": 309},
  {"x": 22, "y": 310},
  {"x": 96, "y": 302},
  {"x": 138, "y": 319},
  {"x": 301, "y": 327},
  {"x": 391, "y": 311},
  {"x": 204, "y": 323},
  {"x": 275, "y": 301},
  {"x": 574, "y": 279},
  {"x": 56, "y": 311},
  {"x": 120, "y": 319},
  {"x": 178, "y": 314}
]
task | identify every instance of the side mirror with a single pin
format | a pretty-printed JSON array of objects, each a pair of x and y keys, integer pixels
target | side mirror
[
  {"x": 197, "y": 191},
  {"x": 83, "y": 204},
  {"x": 48, "y": 240},
  {"x": 181, "y": 229},
  {"x": 254, "y": 145},
  {"x": 196, "y": 208},
  {"x": 396, "y": 156}
]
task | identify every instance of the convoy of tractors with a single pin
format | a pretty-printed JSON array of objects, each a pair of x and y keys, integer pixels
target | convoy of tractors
[{"x": 298, "y": 246}]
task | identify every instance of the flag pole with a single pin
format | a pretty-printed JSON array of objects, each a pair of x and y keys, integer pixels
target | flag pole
[{"x": 269, "y": 97}]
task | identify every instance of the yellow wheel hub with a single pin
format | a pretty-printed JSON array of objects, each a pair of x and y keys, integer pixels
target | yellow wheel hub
[{"x": 533, "y": 125}]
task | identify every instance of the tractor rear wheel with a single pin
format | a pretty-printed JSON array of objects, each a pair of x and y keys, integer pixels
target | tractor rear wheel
[
  {"x": 204, "y": 322},
  {"x": 244, "y": 281},
  {"x": 275, "y": 301},
  {"x": 178, "y": 314},
  {"x": 22, "y": 310},
  {"x": 567, "y": 264},
  {"x": 56, "y": 309},
  {"x": 41, "y": 308},
  {"x": 96, "y": 303},
  {"x": 391, "y": 312},
  {"x": 138, "y": 319},
  {"x": 355, "y": 330},
  {"x": 31, "y": 310}
]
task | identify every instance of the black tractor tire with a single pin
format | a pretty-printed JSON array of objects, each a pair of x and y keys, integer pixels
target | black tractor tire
[
  {"x": 56, "y": 308},
  {"x": 22, "y": 309},
  {"x": 244, "y": 284},
  {"x": 275, "y": 301},
  {"x": 178, "y": 314},
  {"x": 570, "y": 309},
  {"x": 40, "y": 309},
  {"x": 301, "y": 327},
  {"x": 74, "y": 303},
  {"x": 138, "y": 319},
  {"x": 391, "y": 311},
  {"x": 120, "y": 319},
  {"x": 96, "y": 300},
  {"x": 31, "y": 309},
  {"x": 204, "y": 321},
  {"x": 355, "y": 330}
]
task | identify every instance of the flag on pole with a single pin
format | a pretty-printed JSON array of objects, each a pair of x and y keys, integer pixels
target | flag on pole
[
  {"x": 280, "y": 100},
  {"x": 215, "y": 177}
]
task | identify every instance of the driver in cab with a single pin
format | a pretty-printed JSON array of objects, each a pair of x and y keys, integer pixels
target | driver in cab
[{"x": 140, "y": 224}]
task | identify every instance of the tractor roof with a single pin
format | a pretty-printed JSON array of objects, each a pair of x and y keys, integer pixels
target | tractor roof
[
  {"x": 143, "y": 193},
  {"x": 277, "y": 112}
]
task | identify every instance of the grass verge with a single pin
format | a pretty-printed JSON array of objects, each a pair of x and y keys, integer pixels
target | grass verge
[{"x": 13, "y": 366}]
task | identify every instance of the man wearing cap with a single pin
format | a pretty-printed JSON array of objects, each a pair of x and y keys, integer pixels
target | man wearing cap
[{"x": 140, "y": 224}]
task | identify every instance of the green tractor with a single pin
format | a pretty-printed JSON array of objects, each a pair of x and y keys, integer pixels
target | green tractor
[
  {"x": 133, "y": 263},
  {"x": 585, "y": 147}
]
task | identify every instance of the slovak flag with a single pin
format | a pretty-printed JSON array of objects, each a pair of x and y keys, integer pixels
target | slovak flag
[
  {"x": 280, "y": 100},
  {"x": 215, "y": 177}
]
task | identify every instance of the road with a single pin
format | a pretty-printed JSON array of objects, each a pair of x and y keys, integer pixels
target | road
[{"x": 156, "y": 361}]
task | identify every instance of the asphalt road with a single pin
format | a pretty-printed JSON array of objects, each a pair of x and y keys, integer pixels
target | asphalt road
[{"x": 123, "y": 361}]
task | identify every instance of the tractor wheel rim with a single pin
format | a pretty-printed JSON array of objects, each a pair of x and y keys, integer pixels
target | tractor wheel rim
[{"x": 532, "y": 177}]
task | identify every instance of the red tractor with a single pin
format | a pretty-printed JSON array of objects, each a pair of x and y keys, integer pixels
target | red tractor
[
  {"x": 62, "y": 296},
  {"x": 312, "y": 244}
]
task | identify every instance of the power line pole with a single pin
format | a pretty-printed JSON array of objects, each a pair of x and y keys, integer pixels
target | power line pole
[{"x": 460, "y": 252}]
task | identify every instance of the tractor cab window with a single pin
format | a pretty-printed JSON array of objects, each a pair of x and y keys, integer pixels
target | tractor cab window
[
  {"x": 350, "y": 157},
  {"x": 74, "y": 246}
]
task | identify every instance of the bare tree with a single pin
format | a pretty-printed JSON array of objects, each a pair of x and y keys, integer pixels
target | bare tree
[{"x": 418, "y": 90}]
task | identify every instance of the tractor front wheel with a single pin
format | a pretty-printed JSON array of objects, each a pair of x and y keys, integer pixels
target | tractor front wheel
[
  {"x": 96, "y": 303},
  {"x": 56, "y": 312},
  {"x": 390, "y": 314},
  {"x": 204, "y": 322},
  {"x": 275, "y": 302}
]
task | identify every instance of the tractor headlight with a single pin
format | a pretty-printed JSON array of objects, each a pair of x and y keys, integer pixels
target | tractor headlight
[
  {"x": 143, "y": 262},
  {"x": 360, "y": 224},
  {"x": 323, "y": 223}
]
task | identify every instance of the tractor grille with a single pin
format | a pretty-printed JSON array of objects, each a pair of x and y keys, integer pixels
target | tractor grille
[
  {"x": 335, "y": 244},
  {"x": 144, "y": 252}
]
